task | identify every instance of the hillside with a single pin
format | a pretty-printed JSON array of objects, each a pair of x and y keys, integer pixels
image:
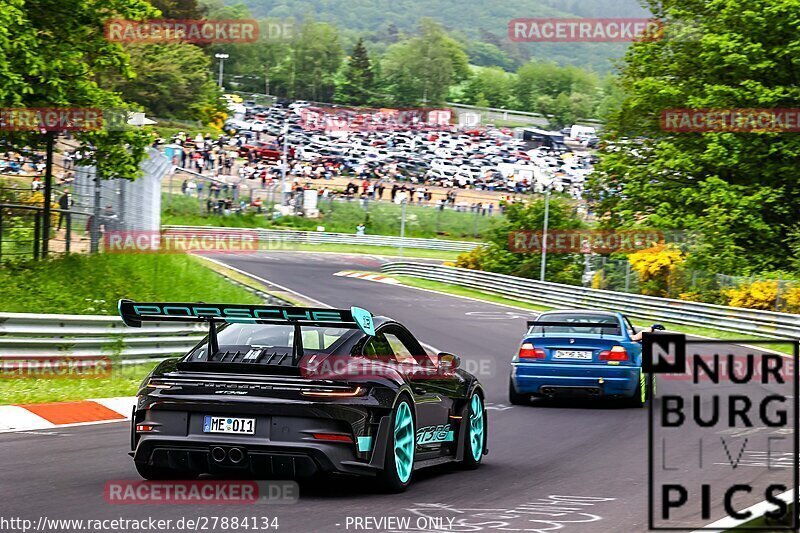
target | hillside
[{"x": 382, "y": 21}]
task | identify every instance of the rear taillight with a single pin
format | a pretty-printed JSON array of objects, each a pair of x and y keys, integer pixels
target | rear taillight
[
  {"x": 617, "y": 353},
  {"x": 527, "y": 351},
  {"x": 333, "y": 437}
]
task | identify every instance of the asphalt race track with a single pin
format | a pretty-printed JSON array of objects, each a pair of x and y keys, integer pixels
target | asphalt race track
[{"x": 584, "y": 460}]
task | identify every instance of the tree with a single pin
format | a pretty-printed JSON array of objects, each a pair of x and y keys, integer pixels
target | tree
[
  {"x": 357, "y": 82},
  {"x": 421, "y": 69},
  {"x": 309, "y": 69},
  {"x": 180, "y": 9},
  {"x": 55, "y": 55},
  {"x": 493, "y": 85},
  {"x": 496, "y": 256},
  {"x": 485, "y": 54},
  {"x": 736, "y": 191},
  {"x": 172, "y": 81}
]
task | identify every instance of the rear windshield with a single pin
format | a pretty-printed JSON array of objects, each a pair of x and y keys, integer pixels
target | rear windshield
[
  {"x": 578, "y": 319},
  {"x": 280, "y": 338},
  {"x": 315, "y": 338}
]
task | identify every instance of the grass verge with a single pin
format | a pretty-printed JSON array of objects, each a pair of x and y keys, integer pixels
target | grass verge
[
  {"x": 92, "y": 284},
  {"x": 379, "y": 218}
]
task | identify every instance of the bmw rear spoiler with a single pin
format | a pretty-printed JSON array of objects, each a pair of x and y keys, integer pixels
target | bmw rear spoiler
[
  {"x": 607, "y": 325},
  {"x": 134, "y": 313},
  {"x": 601, "y": 325}
]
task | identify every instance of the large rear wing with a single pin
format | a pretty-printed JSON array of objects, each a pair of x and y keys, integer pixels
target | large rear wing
[{"x": 134, "y": 313}]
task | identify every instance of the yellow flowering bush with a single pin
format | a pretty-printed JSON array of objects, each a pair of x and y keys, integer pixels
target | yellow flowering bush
[
  {"x": 655, "y": 262},
  {"x": 755, "y": 295},
  {"x": 655, "y": 265}
]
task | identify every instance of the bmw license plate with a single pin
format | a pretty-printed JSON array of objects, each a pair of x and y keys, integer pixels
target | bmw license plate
[
  {"x": 573, "y": 354},
  {"x": 224, "y": 424}
]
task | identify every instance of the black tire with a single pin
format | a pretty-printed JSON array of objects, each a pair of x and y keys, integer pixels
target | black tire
[
  {"x": 389, "y": 479},
  {"x": 639, "y": 399},
  {"x": 154, "y": 473},
  {"x": 516, "y": 398},
  {"x": 469, "y": 462}
]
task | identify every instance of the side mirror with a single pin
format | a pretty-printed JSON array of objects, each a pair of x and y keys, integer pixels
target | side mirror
[
  {"x": 448, "y": 362},
  {"x": 658, "y": 327}
]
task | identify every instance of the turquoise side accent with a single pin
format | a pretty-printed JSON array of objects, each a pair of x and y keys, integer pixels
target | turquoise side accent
[
  {"x": 449, "y": 437},
  {"x": 364, "y": 320},
  {"x": 364, "y": 444}
]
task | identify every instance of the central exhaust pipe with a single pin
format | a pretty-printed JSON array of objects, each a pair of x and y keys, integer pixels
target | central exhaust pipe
[
  {"x": 217, "y": 454},
  {"x": 236, "y": 455}
]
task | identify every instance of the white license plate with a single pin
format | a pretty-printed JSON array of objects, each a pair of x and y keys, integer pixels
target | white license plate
[
  {"x": 572, "y": 354},
  {"x": 224, "y": 424}
]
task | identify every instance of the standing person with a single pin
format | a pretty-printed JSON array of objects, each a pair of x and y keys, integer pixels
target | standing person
[
  {"x": 64, "y": 202},
  {"x": 360, "y": 229}
]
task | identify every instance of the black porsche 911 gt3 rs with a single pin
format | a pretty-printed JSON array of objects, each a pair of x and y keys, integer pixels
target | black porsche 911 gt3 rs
[{"x": 291, "y": 392}]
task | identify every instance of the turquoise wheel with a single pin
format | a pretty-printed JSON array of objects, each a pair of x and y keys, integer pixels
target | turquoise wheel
[
  {"x": 403, "y": 442},
  {"x": 476, "y": 432},
  {"x": 399, "y": 462}
]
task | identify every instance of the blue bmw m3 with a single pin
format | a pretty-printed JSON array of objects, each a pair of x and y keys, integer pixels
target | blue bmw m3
[{"x": 580, "y": 354}]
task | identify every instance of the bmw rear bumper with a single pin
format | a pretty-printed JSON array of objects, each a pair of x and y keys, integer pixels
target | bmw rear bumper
[{"x": 564, "y": 379}]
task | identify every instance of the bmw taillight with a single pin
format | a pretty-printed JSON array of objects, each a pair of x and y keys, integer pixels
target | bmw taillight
[
  {"x": 527, "y": 351},
  {"x": 616, "y": 353}
]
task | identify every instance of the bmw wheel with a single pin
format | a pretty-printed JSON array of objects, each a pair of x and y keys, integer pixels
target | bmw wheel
[
  {"x": 639, "y": 398},
  {"x": 516, "y": 398},
  {"x": 476, "y": 432},
  {"x": 399, "y": 463}
]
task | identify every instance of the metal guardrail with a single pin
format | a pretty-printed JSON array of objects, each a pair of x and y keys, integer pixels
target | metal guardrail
[
  {"x": 506, "y": 114},
  {"x": 733, "y": 319},
  {"x": 274, "y": 239},
  {"x": 45, "y": 336}
]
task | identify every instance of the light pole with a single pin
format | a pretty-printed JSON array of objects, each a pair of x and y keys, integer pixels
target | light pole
[
  {"x": 222, "y": 58},
  {"x": 402, "y": 224},
  {"x": 544, "y": 232},
  {"x": 284, "y": 162}
]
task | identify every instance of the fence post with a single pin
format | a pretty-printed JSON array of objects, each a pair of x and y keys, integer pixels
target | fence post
[
  {"x": 37, "y": 232},
  {"x": 69, "y": 231},
  {"x": 94, "y": 238},
  {"x": 627, "y": 276}
]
